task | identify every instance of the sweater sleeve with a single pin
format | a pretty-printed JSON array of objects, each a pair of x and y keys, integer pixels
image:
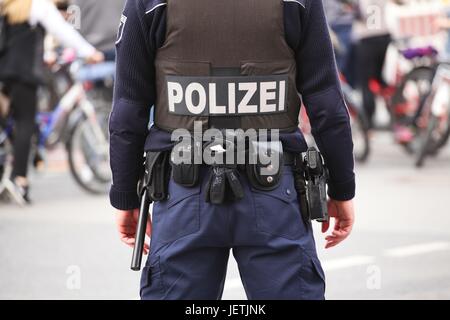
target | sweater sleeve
[
  {"x": 318, "y": 83},
  {"x": 134, "y": 95}
]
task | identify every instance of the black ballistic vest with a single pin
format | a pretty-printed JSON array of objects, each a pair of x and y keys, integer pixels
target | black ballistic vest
[{"x": 226, "y": 64}]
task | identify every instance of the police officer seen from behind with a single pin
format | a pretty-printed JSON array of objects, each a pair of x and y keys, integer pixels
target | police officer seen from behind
[{"x": 237, "y": 64}]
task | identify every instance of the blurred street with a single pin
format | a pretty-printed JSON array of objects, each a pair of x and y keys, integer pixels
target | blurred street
[{"x": 400, "y": 247}]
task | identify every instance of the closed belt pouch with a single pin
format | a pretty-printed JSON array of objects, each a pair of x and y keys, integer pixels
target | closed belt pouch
[
  {"x": 185, "y": 171},
  {"x": 265, "y": 167},
  {"x": 185, "y": 175},
  {"x": 157, "y": 175}
]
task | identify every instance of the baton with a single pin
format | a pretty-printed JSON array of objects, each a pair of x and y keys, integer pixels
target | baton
[{"x": 140, "y": 232}]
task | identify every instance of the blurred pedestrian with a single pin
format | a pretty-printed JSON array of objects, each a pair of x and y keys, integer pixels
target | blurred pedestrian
[
  {"x": 373, "y": 38},
  {"x": 340, "y": 16},
  {"x": 444, "y": 23},
  {"x": 99, "y": 21},
  {"x": 22, "y": 69}
]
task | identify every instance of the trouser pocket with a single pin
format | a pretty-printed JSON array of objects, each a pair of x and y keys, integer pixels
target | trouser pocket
[
  {"x": 178, "y": 216},
  {"x": 312, "y": 278},
  {"x": 278, "y": 211},
  {"x": 152, "y": 286}
]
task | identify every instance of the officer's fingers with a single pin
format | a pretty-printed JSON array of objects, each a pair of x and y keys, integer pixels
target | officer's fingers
[
  {"x": 146, "y": 248},
  {"x": 343, "y": 225},
  {"x": 124, "y": 221},
  {"x": 325, "y": 226},
  {"x": 337, "y": 223},
  {"x": 331, "y": 244},
  {"x": 126, "y": 227},
  {"x": 127, "y": 231},
  {"x": 148, "y": 230},
  {"x": 126, "y": 237},
  {"x": 332, "y": 209},
  {"x": 136, "y": 215},
  {"x": 342, "y": 222},
  {"x": 337, "y": 236},
  {"x": 332, "y": 212},
  {"x": 340, "y": 234},
  {"x": 129, "y": 241},
  {"x": 333, "y": 240},
  {"x": 331, "y": 237}
]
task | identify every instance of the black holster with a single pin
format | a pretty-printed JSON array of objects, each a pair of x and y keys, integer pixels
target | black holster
[
  {"x": 152, "y": 187},
  {"x": 310, "y": 178},
  {"x": 300, "y": 186},
  {"x": 157, "y": 175}
]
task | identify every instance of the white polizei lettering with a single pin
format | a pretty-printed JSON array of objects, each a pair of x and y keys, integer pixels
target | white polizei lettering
[
  {"x": 267, "y": 94},
  {"x": 244, "y": 106},
  {"x": 202, "y": 98},
  {"x": 282, "y": 98},
  {"x": 200, "y": 107},
  {"x": 231, "y": 98},
  {"x": 175, "y": 92},
  {"x": 213, "y": 107}
]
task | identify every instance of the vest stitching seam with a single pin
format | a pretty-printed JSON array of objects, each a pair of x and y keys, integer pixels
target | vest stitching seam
[
  {"x": 158, "y": 5},
  {"x": 298, "y": 2}
]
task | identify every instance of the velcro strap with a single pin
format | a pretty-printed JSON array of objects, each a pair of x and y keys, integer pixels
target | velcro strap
[
  {"x": 223, "y": 185},
  {"x": 235, "y": 184}
]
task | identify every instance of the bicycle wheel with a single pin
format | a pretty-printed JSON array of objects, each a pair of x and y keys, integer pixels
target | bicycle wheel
[
  {"x": 359, "y": 124},
  {"x": 427, "y": 143},
  {"x": 409, "y": 99},
  {"x": 444, "y": 140},
  {"x": 360, "y": 137},
  {"x": 88, "y": 155},
  {"x": 413, "y": 90},
  {"x": 6, "y": 161},
  {"x": 3, "y": 153}
]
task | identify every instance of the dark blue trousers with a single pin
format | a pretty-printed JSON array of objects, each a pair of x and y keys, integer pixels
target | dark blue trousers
[{"x": 191, "y": 242}]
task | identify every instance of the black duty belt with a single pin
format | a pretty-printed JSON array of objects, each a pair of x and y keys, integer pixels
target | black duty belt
[{"x": 289, "y": 158}]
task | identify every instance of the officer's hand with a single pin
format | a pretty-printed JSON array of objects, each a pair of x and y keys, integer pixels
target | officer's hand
[
  {"x": 126, "y": 225},
  {"x": 344, "y": 215}
]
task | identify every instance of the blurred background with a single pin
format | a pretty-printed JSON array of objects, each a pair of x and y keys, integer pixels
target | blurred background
[{"x": 57, "y": 230}]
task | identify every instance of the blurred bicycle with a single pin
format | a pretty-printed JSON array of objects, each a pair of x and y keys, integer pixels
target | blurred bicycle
[
  {"x": 358, "y": 123},
  {"x": 434, "y": 121},
  {"x": 77, "y": 123},
  {"x": 358, "y": 118},
  {"x": 404, "y": 99}
]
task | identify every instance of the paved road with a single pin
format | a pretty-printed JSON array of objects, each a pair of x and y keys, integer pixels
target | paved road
[{"x": 65, "y": 245}]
